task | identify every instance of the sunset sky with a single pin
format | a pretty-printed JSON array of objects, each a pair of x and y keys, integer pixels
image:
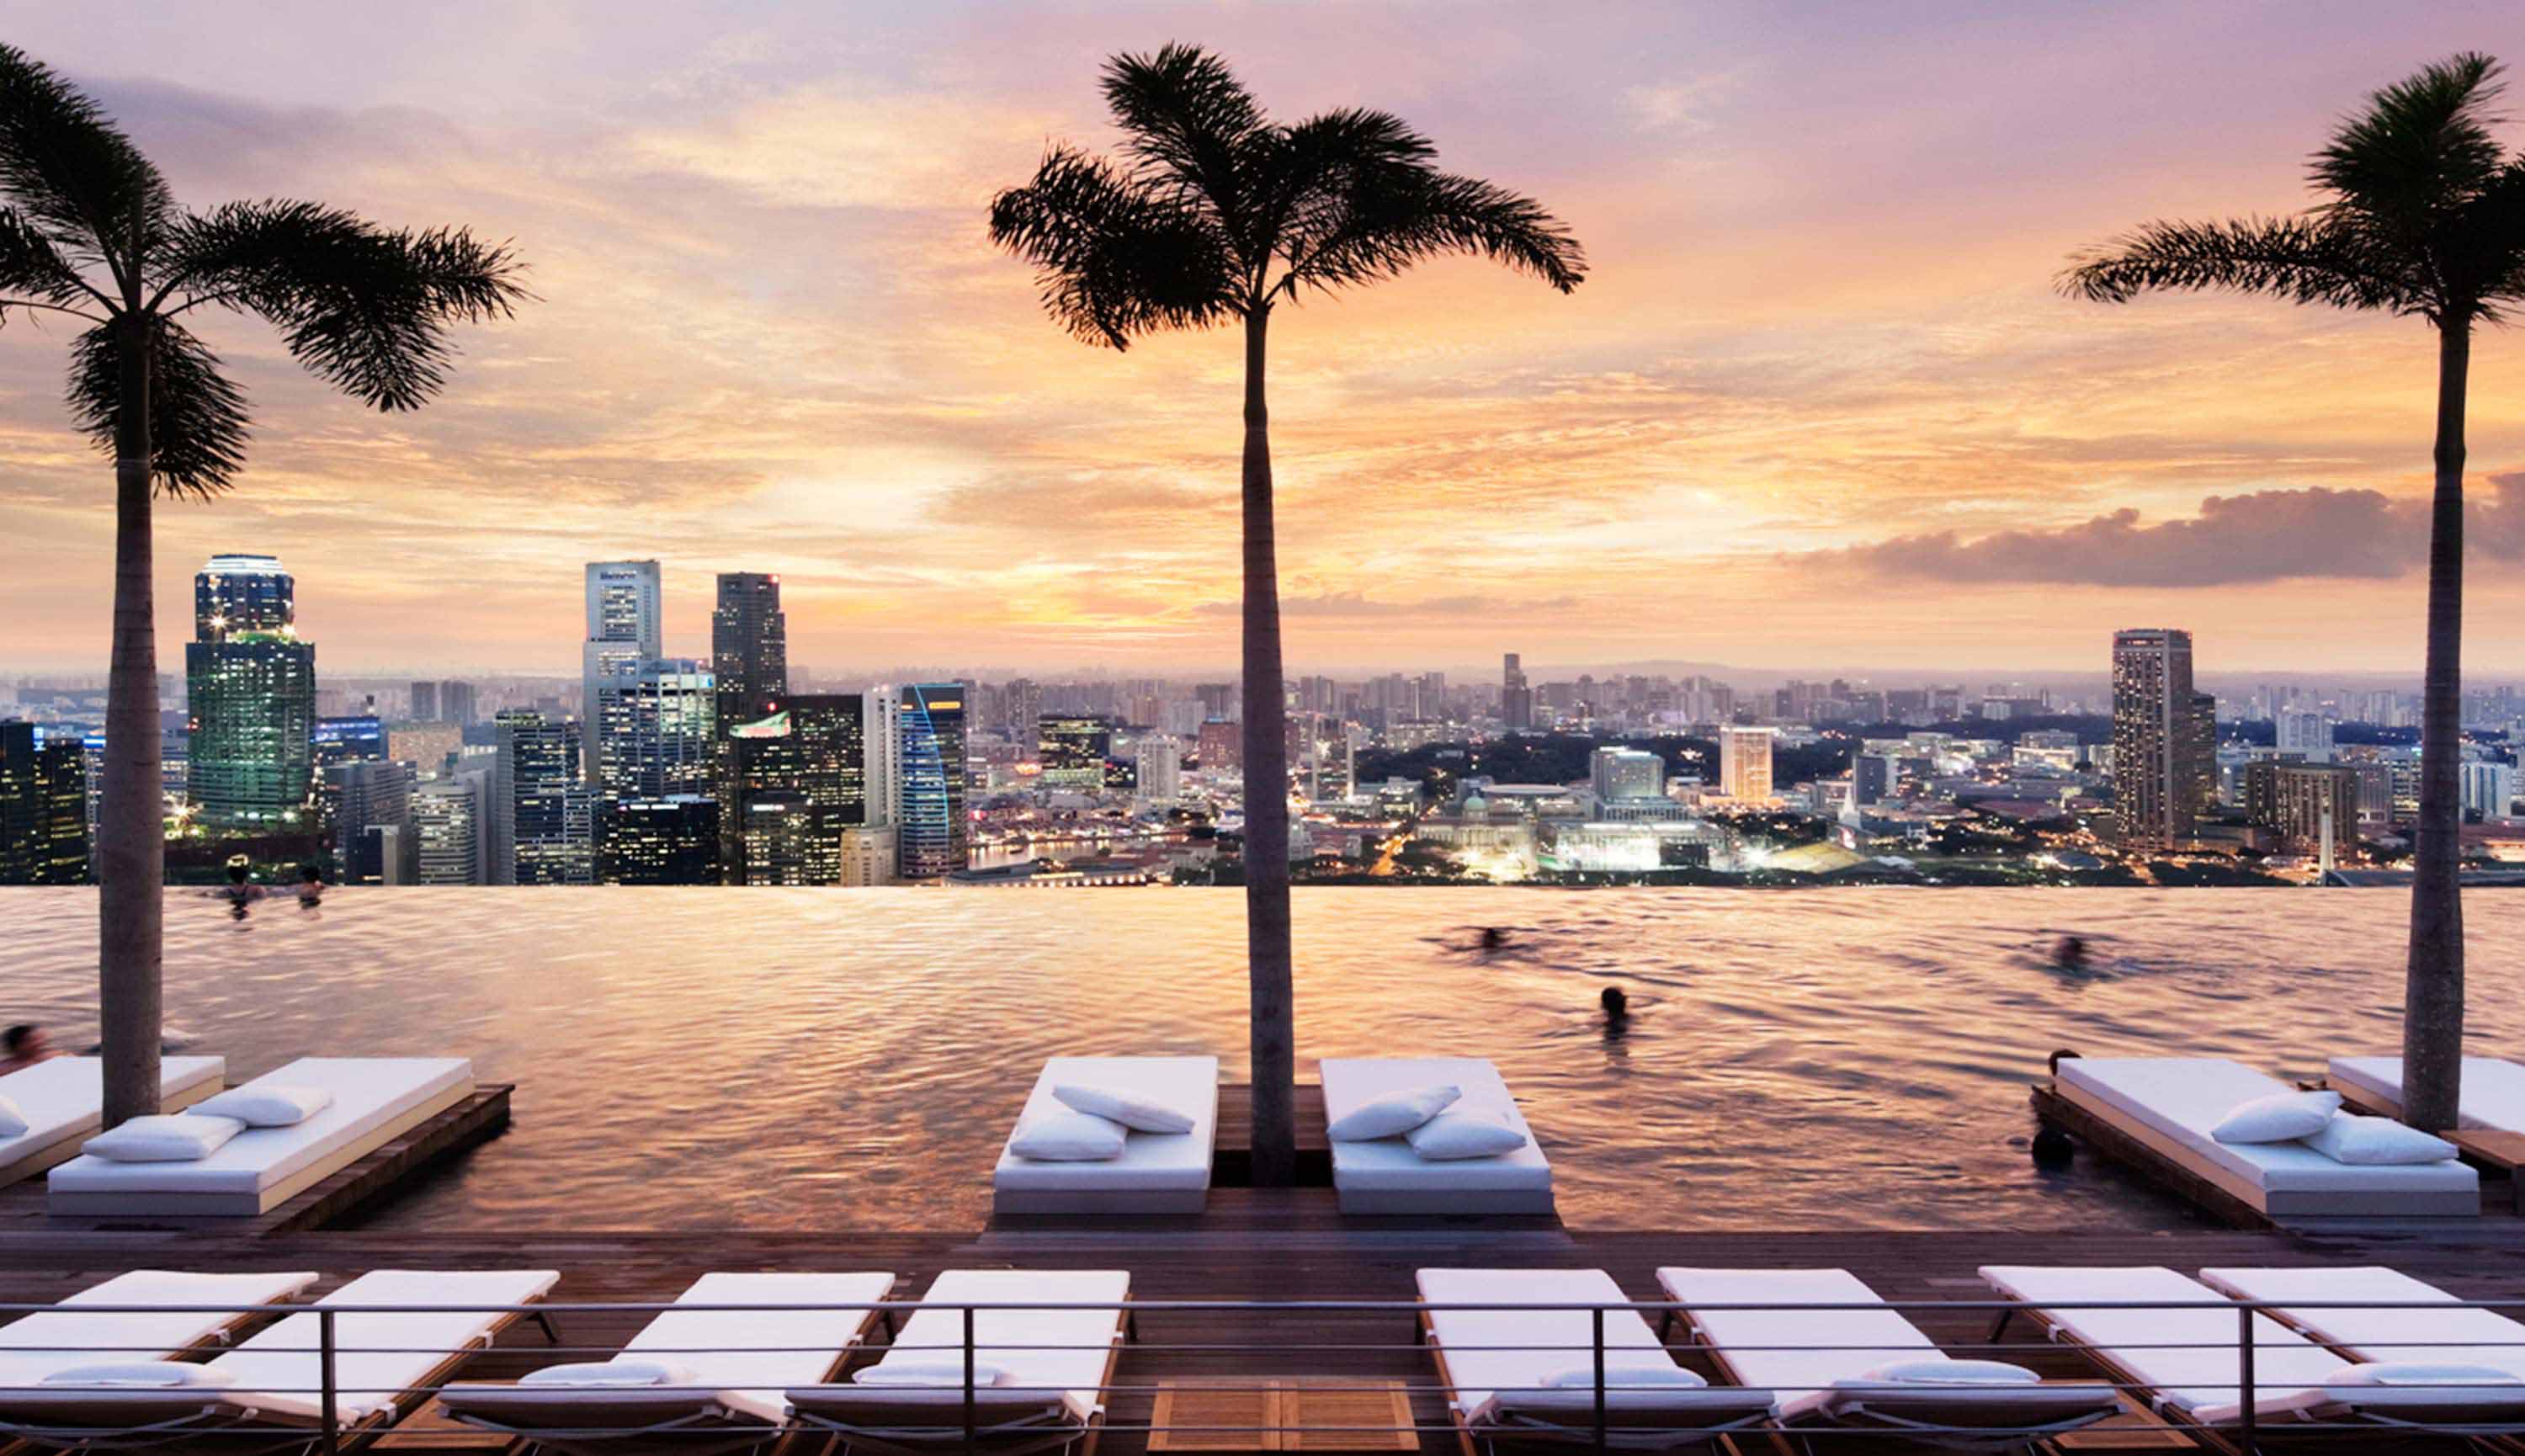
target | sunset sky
[{"x": 1817, "y": 408}]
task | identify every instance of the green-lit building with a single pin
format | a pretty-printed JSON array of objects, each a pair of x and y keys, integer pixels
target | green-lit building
[{"x": 250, "y": 698}]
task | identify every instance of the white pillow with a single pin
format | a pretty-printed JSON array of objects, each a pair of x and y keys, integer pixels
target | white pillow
[
  {"x": 161, "y": 1137},
  {"x": 620, "y": 1371},
  {"x": 12, "y": 1120},
  {"x": 1132, "y": 1111},
  {"x": 154, "y": 1375},
  {"x": 2409, "y": 1374},
  {"x": 1452, "y": 1136},
  {"x": 1068, "y": 1137},
  {"x": 2377, "y": 1141},
  {"x": 1627, "y": 1374},
  {"x": 264, "y": 1105},
  {"x": 1394, "y": 1114},
  {"x": 2281, "y": 1117},
  {"x": 932, "y": 1372},
  {"x": 1943, "y": 1371}
]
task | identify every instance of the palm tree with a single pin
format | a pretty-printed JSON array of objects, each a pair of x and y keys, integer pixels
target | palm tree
[
  {"x": 90, "y": 230},
  {"x": 1216, "y": 212},
  {"x": 2421, "y": 216}
]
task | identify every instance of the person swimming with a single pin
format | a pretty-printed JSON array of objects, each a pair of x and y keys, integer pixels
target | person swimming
[
  {"x": 24, "y": 1045},
  {"x": 311, "y": 886},
  {"x": 240, "y": 892},
  {"x": 2070, "y": 954},
  {"x": 1493, "y": 937}
]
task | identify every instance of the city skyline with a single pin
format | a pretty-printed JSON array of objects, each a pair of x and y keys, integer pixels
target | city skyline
[{"x": 1818, "y": 401}]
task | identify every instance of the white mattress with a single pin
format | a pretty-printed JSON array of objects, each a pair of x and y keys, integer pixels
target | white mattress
[
  {"x": 1839, "y": 1344},
  {"x": 377, "y": 1357},
  {"x": 2188, "y": 1358},
  {"x": 368, "y": 1093},
  {"x": 2493, "y": 1090},
  {"x": 69, "y": 1335},
  {"x": 1388, "y": 1165},
  {"x": 2397, "y": 1336},
  {"x": 1497, "y": 1358},
  {"x": 750, "y": 1357},
  {"x": 1064, "y": 1350},
  {"x": 65, "y": 1097},
  {"x": 1149, "y": 1161},
  {"x": 2181, "y": 1098}
]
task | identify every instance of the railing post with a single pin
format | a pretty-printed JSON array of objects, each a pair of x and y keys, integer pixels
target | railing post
[
  {"x": 1598, "y": 1315},
  {"x": 971, "y": 1438},
  {"x": 2244, "y": 1385},
  {"x": 324, "y": 1362}
]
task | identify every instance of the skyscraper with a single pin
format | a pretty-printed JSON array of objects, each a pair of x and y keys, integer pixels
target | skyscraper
[
  {"x": 370, "y": 804},
  {"x": 447, "y": 817},
  {"x": 2299, "y": 731},
  {"x": 1745, "y": 763},
  {"x": 250, "y": 697},
  {"x": 624, "y": 628},
  {"x": 1072, "y": 751},
  {"x": 456, "y": 702},
  {"x": 1158, "y": 765},
  {"x": 933, "y": 833},
  {"x": 2157, "y": 737},
  {"x": 1516, "y": 700},
  {"x": 543, "y": 829},
  {"x": 670, "y": 839},
  {"x": 424, "y": 703},
  {"x": 660, "y": 715},
  {"x": 1616, "y": 773},
  {"x": 43, "y": 807},
  {"x": 749, "y": 647},
  {"x": 882, "y": 729}
]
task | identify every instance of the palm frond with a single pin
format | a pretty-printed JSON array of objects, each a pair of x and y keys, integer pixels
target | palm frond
[
  {"x": 1368, "y": 204},
  {"x": 2483, "y": 251},
  {"x": 197, "y": 418},
  {"x": 31, "y": 266},
  {"x": 70, "y": 173},
  {"x": 2420, "y": 148},
  {"x": 366, "y": 308},
  {"x": 2308, "y": 259},
  {"x": 1116, "y": 256},
  {"x": 1186, "y": 118}
]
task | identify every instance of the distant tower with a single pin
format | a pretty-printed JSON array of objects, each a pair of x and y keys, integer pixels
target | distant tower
[
  {"x": 250, "y": 697},
  {"x": 1516, "y": 700},
  {"x": 933, "y": 834},
  {"x": 624, "y": 628},
  {"x": 749, "y": 647},
  {"x": 2157, "y": 737},
  {"x": 1745, "y": 763}
]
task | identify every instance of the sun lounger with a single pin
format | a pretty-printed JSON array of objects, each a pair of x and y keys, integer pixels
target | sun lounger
[
  {"x": 1386, "y": 1177},
  {"x": 64, "y": 1103},
  {"x": 274, "y": 1381},
  {"x": 2168, "y": 1105},
  {"x": 2189, "y": 1359},
  {"x": 1506, "y": 1369},
  {"x": 1158, "y": 1173},
  {"x": 376, "y": 1101},
  {"x": 2416, "y": 1334},
  {"x": 1054, "y": 1367},
  {"x": 1818, "y": 1361},
  {"x": 2493, "y": 1090},
  {"x": 85, "y": 1329},
  {"x": 731, "y": 1368}
]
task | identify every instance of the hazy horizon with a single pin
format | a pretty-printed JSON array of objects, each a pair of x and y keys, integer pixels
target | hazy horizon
[{"x": 1818, "y": 401}]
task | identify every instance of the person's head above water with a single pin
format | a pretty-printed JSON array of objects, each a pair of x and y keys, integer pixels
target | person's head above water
[
  {"x": 238, "y": 869},
  {"x": 310, "y": 875},
  {"x": 1614, "y": 1002},
  {"x": 21, "y": 1039}
]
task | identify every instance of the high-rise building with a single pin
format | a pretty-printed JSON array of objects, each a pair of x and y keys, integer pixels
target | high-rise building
[
  {"x": 1021, "y": 704},
  {"x": 624, "y": 628},
  {"x": 43, "y": 807},
  {"x": 749, "y": 647},
  {"x": 933, "y": 833},
  {"x": 1072, "y": 751},
  {"x": 1221, "y": 745},
  {"x": 369, "y": 802},
  {"x": 456, "y": 703},
  {"x": 2304, "y": 731},
  {"x": 344, "y": 741},
  {"x": 883, "y": 728},
  {"x": 1871, "y": 779},
  {"x": 2488, "y": 789},
  {"x": 543, "y": 830},
  {"x": 1157, "y": 767},
  {"x": 2301, "y": 803},
  {"x": 424, "y": 702},
  {"x": 814, "y": 751},
  {"x": 250, "y": 698},
  {"x": 1517, "y": 699},
  {"x": 449, "y": 821},
  {"x": 2157, "y": 740},
  {"x": 778, "y": 842},
  {"x": 870, "y": 855},
  {"x": 670, "y": 839},
  {"x": 1745, "y": 763},
  {"x": 1616, "y": 773},
  {"x": 660, "y": 718}
]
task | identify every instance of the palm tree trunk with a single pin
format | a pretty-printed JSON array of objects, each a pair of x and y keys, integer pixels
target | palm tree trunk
[
  {"x": 132, "y": 824},
  {"x": 2433, "y": 997},
  {"x": 1267, "y": 798}
]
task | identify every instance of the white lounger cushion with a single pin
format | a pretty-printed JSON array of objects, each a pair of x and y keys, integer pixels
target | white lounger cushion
[
  {"x": 2181, "y": 1099},
  {"x": 610, "y": 1374},
  {"x": 2422, "y": 1334},
  {"x": 163, "y": 1138},
  {"x": 1747, "y": 1339},
  {"x": 2187, "y": 1357},
  {"x": 1068, "y": 1136},
  {"x": 368, "y": 1093},
  {"x": 1502, "y": 1361},
  {"x": 749, "y": 1358},
  {"x": 65, "y": 1098},
  {"x": 1149, "y": 1162},
  {"x": 146, "y": 1374},
  {"x": 1392, "y": 1114},
  {"x": 1388, "y": 1168},
  {"x": 2493, "y": 1090},
  {"x": 1052, "y": 1351},
  {"x": 379, "y": 1356},
  {"x": 69, "y": 1335}
]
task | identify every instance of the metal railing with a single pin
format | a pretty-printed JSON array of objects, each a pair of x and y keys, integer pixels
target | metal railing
[{"x": 1135, "y": 1364}]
